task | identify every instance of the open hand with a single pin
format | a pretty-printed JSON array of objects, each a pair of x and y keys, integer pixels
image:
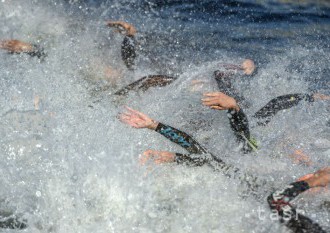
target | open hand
[
  {"x": 123, "y": 27},
  {"x": 158, "y": 157},
  {"x": 321, "y": 178},
  {"x": 219, "y": 101},
  {"x": 137, "y": 119},
  {"x": 16, "y": 46}
]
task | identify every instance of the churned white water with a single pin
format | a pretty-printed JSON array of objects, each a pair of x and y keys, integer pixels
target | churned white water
[{"x": 69, "y": 165}]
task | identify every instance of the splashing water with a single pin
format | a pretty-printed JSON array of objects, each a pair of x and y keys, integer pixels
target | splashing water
[{"x": 69, "y": 165}]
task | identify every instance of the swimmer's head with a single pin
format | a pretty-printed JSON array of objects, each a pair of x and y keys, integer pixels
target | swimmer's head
[{"x": 248, "y": 66}]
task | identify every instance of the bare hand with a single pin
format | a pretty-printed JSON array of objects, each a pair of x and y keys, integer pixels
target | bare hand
[
  {"x": 122, "y": 26},
  {"x": 16, "y": 46},
  {"x": 320, "y": 178},
  {"x": 158, "y": 157},
  {"x": 219, "y": 101},
  {"x": 137, "y": 119},
  {"x": 319, "y": 96},
  {"x": 298, "y": 157},
  {"x": 248, "y": 66}
]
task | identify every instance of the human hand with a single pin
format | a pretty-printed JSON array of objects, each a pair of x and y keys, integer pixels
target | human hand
[
  {"x": 298, "y": 157},
  {"x": 137, "y": 119},
  {"x": 123, "y": 27},
  {"x": 158, "y": 157},
  {"x": 321, "y": 178},
  {"x": 219, "y": 101},
  {"x": 16, "y": 46},
  {"x": 248, "y": 66},
  {"x": 319, "y": 96}
]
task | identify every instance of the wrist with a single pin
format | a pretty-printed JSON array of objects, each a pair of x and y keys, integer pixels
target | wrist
[{"x": 153, "y": 125}]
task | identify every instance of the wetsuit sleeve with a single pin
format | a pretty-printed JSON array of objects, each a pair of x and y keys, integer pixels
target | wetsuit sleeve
[
  {"x": 278, "y": 104},
  {"x": 181, "y": 138},
  {"x": 37, "y": 52},
  {"x": 279, "y": 203},
  {"x": 128, "y": 51},
  {"x": 190, "y": 159},
  {"x": 223, "y": 80},
  {"x": 240, "y": 125},
  {"x": 147, "y": 82}
]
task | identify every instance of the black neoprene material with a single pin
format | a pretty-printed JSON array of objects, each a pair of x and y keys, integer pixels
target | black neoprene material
[
  {"x": 223, "y": 80},
  {"x": 199, "y": 156},
  {"x": 37, "y": 52},
  {"x": 279, "y": 202},
  {"x": 240, "y": 125},
  {"x": 128, "y": 52},
  {"x": 146, "y": 82},
  {"x": 180, "y": 138},
  {"x": 280, "y": 103}
]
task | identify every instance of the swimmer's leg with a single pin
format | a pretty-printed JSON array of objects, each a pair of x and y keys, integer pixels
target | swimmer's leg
[{"x": 280, "y": 103}]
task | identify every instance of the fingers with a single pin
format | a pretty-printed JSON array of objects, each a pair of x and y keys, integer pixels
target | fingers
[
  {"x": 305, "y": 177},
  {"x": 213, "y": 94},
  {"x": 140, "y": 114},
  {"x": 211, "y": 102},
  {"x": 145, "y": 157},
  {"x": 218, "y": 108}
]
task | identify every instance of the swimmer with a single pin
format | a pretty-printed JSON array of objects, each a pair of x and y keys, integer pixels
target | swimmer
[
  {"x": 224, "y": 81},
  {"x": 146, "y": 82},
  {"x": 229, "y": 99},
  {"x": 237, "y": 118},
  {"x": 16, "y": 46},
  {"x": 279, "y": 201},
  {"x": 128, "y": 46},
  {"x": 197, "y": 156}
]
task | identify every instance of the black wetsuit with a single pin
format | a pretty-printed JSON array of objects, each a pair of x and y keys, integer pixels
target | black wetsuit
[
  {"x": 238, "y": 120},
  {"x": 279, "y": 203},
  {"x": 36, "y": 52},
  {"x": 199, "y": 156},
  {"x": 145, "y": 83},
  {"x": 128, "y": 52}
]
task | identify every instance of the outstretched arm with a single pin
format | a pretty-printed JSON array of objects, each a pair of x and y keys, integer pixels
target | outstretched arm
[
  {"x": 139, "y": 120},
  {"x": 279, "y": 201},
  {"x": 16, "y": 46},
  {"x": 146, "y": 82},
  {"x": 237, "y": 119},
  {"x": 123, "y": 27},
  {"x": 284, "y": 102}
]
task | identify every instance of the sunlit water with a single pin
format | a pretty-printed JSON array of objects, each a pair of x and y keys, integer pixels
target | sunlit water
[{"x": 69, "y": 165}]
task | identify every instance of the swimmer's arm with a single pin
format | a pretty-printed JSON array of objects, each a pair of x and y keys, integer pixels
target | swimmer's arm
[
  {"x": 240, "y": 125},
  {"x": 285, "y": 102},
  {"x": 223, "y": 80},
  {"x": 130, "y": 87},
  {"x": 279, "y": 203},
  {"x": 16, "y": 46},
  {"x": 237, "y": 118},
  {"x": 121, "y": 25},
  {"x": 181, "y": 138},
  {"x": 160, "y": 157},
  {"x": 137, "y": 119}
]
